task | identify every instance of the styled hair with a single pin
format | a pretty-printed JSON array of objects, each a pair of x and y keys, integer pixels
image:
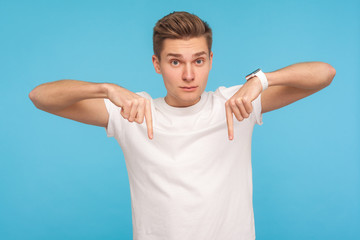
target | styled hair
[{"x": 180, "y": 25}]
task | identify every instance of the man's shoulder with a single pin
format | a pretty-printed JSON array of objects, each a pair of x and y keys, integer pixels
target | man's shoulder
[
  {"x": 145, "y": 95},
  {"x": 226, "y": 92}
]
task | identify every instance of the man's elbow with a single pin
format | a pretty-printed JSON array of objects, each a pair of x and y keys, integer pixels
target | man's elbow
[
  {"x": 33, "y": 95},
  {"x": 331, "y": 72}
]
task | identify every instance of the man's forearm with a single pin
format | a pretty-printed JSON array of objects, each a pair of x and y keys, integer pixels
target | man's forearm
[
  {"x": 307, "y": 75},
  {"x": 63, "y": 93}
]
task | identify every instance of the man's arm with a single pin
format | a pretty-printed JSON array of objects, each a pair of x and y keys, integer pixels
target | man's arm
[
  {"x": 286, "y": 86},
  {"x": 292, "y": 83},
  {"x": 84, "y": 102}
]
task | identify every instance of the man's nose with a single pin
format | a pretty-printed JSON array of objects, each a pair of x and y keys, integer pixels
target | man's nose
[{"x": 188, "y": 72}]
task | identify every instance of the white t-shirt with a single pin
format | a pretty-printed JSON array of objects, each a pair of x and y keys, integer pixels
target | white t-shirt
[{"x": 189, "y": 182}]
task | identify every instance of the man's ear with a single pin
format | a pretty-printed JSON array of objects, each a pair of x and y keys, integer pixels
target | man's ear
[
  {"x": 156, "y": 63},
  {"x": 211, "y": 58}
]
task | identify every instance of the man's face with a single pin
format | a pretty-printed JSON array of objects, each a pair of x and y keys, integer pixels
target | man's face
[{"x": 185, "y": 66}]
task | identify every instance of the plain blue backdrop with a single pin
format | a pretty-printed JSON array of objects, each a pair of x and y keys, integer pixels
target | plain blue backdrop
[{"x": 60, "y": 179}]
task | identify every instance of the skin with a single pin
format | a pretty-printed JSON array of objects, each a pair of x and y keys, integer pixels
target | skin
[{"x": 184, "y": 63}]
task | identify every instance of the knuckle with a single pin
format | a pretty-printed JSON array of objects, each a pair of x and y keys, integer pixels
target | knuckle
[
  {"x": 148, "y": 105},
  {"x": 127, "y": 104},
  {"x": 249, "y": 112},
  {"x": 139, "y": 118},
  {"x": 138, "y": 101},
  {"x": 239, "y": 101},
  {"x": 135, "y": 102},
  {"x": 239, "y": 117}
]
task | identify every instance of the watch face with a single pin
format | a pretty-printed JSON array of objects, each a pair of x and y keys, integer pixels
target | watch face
[
  {"x": 251, "y": 75},
  {"x": 256, "y": 71}
]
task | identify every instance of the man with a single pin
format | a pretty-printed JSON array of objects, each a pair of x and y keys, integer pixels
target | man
[{"x": 188, "y": 155}]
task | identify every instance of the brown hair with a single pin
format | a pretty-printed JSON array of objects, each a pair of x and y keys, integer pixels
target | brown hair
[{"x": 180, "y": 25}]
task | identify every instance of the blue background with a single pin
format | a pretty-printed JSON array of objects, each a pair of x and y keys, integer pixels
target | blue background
[{"x": 60, "y": 179}]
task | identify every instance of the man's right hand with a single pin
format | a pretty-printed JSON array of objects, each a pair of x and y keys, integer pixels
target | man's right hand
[
  {"x": 84, "y": 102},
  {"x": 134, "y": 108}
]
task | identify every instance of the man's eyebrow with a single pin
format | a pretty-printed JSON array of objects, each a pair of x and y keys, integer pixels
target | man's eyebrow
[{"x": 180, "y": 56}]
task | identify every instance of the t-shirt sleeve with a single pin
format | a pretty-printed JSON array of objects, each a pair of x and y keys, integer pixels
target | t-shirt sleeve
[
  {"x": 115, "y": 118},
  {"x": 227, "y": 93}
]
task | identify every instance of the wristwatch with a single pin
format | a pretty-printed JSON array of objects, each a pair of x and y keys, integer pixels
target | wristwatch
[{"x": 258, "y": 73}]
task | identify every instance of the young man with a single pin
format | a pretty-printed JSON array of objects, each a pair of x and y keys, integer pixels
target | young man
[{"x": 188, "y": 155}]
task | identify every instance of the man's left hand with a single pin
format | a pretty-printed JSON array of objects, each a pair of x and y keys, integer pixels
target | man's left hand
[{"x": 240, "y": 103}]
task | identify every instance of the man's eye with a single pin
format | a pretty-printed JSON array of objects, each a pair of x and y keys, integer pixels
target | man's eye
[
  {"x": 175, "y": 62},
  {"x": 199, "y": 61}
]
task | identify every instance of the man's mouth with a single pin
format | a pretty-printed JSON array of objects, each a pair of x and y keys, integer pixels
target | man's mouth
[{"x": 189, "y": 89}]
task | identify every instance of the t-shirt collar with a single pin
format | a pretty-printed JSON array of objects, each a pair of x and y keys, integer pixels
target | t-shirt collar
[{"x": 184, "y": 110}]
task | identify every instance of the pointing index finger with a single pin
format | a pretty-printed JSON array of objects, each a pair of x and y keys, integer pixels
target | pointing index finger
[
  {"x": 148, "y": 118},
  {"x": 229, "y": 120}
]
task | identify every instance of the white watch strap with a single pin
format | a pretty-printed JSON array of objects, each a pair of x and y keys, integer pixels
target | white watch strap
[{"x": 263, "y": 79}]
